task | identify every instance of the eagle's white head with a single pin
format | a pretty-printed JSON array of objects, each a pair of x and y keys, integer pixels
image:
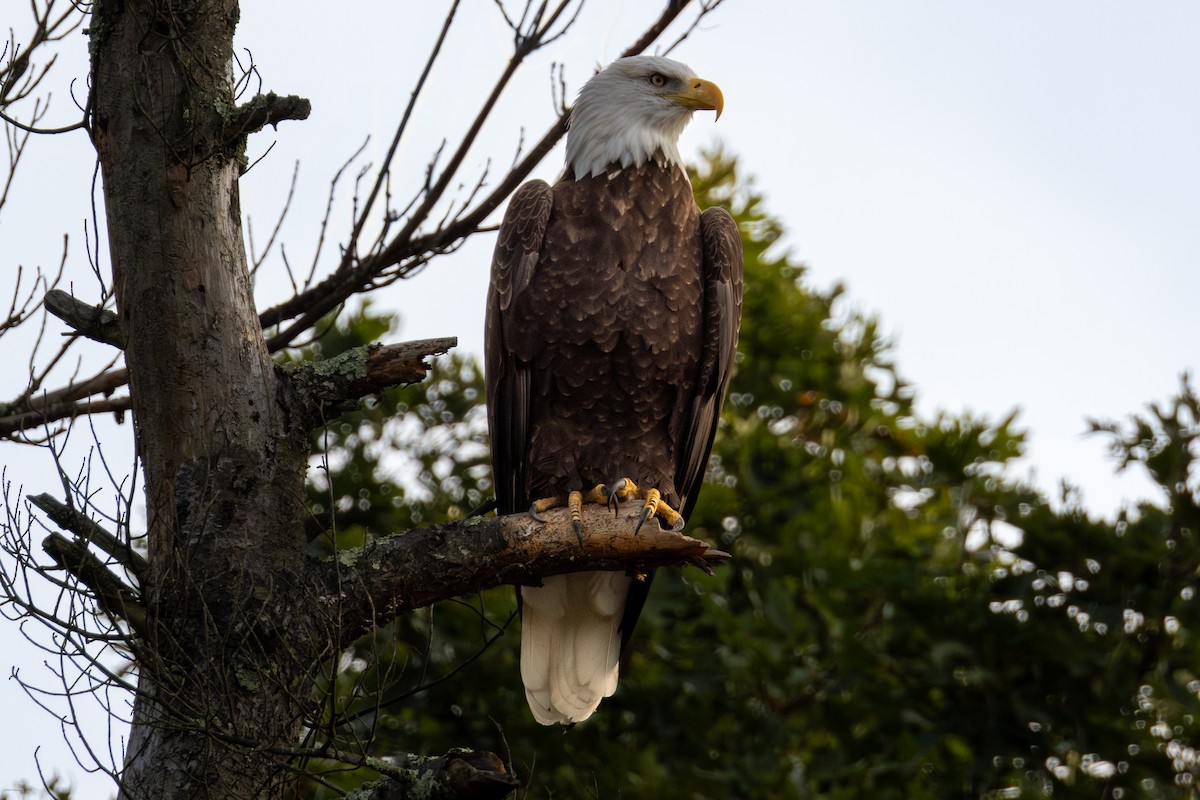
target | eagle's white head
[{"x": 634, "y": 111}]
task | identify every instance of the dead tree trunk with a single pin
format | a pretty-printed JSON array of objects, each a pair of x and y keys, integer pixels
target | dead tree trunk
[{"x": 224, "y": 457}]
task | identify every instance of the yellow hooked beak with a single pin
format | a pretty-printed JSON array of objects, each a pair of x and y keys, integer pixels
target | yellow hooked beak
[{"x": 702, "y": 95}]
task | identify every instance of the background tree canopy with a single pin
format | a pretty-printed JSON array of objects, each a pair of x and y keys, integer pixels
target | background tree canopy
[{"x": 901, "y": 618}]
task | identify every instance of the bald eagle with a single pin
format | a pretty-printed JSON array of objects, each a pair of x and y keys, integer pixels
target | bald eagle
[{"x": 612, "y": 324}]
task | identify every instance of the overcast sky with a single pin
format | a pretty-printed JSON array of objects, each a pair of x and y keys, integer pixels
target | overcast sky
[{"x": 1014, "y": 188}]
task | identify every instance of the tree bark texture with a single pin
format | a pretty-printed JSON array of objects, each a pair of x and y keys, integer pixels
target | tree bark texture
[{"x": 227, "y": 652}]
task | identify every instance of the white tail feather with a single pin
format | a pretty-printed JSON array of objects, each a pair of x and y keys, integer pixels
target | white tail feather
[{"x": 571, "y": 643}]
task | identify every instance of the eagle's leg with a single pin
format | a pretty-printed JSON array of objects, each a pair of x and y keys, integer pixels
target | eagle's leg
[
  {"x": 654, "y": 505},
  {"x": 575, "y": 507},
  {"x": 574, "y": 504}
]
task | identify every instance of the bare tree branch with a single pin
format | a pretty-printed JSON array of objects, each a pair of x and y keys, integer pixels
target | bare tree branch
[
  {"x": 71, "y": 519},
  {"x": 256, "y": 261},
  {"x": 19, "y": 76},
  {"x": 410, "y": 570},
  {"x": 401, "y": 128},
  {"x": 66, "y": 403},
  {"x": 350, "y": 277},
  {"x": 263, "y": 110},
  {"x": 93, "y": 322},
  {"x": 22, "y": 307},
  {"x": 365, "y": 370},
  {"x": 117, "y": 599}
]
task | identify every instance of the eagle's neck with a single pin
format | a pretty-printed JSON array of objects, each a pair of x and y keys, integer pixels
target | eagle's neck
[
  {"x": 614, "y": 168},
  {"x": 608, "y": 136}
]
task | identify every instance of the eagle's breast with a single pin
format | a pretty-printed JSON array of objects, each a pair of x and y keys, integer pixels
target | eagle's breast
[{"x": 611, "y": 325}]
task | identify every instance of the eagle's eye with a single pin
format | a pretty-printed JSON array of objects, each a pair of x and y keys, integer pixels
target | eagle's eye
[{"x": 657, "y": 80}]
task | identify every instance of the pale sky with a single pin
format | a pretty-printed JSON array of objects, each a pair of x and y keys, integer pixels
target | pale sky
[{"x": 1014, "y": 188}]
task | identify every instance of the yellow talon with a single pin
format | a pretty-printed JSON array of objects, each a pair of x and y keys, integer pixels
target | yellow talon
[
  {"x": 625, "y": 489},
  {"x": 656, "y": 507},
  {"x": 612, "y": 494},
  {"x": 543, "y": 505},
  {"x": 670, "y": 516},
  {"x": 651, "y": 505},
  {"x": 575, "y": 507},
  {"x": 652, "y": 499},
  {"x": 597, "y": 495}
]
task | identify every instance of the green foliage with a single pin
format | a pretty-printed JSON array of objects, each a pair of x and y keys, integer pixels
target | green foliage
[{"x": 900, "y": 620}]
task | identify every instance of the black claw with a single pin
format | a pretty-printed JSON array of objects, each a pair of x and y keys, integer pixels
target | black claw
[
  {"x": 578, "y": 526},
  {"x": 642, "y": 519},
  {"x": 678, "y": 526},
  {"x": 533, "y": 512},
  {"x": 610, "y": 491}
]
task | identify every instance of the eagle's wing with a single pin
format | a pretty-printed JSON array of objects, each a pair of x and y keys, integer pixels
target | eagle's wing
[
  {"x": 508, "y": 380},
  {"x": 722, "y": 275},
  {"x": 722, "y": 264}
]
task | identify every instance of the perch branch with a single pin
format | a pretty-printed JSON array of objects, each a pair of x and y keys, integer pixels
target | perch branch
[{"x": 410, "y": 570}]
